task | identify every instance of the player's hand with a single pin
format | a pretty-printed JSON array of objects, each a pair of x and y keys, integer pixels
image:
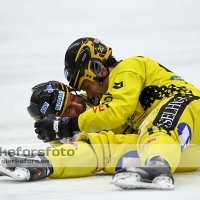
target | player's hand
[{"x": 54, "y": 127}]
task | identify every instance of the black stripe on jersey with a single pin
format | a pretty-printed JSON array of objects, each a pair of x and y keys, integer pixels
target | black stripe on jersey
[{"x": 170, "y": 113}]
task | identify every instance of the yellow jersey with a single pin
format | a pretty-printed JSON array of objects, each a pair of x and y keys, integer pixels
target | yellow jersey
[{"x": 136, "y": 87}]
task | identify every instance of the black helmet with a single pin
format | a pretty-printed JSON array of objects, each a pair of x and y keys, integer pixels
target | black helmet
[
  {"x": 84, "y": 60},
  {"x": 48, "y": 98}
]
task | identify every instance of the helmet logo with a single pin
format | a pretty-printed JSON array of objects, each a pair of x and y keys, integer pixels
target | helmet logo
[
  {"x": 49, "y": 89},
  {"x": 100, "y": 48},
  {"x": 59, "y": 103},
  {"x": 44, "y": 107}
]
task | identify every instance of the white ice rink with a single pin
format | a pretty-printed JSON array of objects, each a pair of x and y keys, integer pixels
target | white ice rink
[{"x": 34, "y": 35}]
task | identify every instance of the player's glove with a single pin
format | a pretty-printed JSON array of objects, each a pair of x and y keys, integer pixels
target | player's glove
[{"x": 54, "y": 127}]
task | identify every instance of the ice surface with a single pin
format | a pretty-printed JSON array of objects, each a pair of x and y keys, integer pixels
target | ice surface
[{"x": 34, "y": 36}]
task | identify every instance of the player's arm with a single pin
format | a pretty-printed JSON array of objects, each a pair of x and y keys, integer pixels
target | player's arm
[{"x": 117, "y": 104}]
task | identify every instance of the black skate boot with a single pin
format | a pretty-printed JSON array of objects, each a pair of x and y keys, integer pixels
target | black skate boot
[
  {"x": 25, "y": 168},
  {"x": 155, "y": 174}
]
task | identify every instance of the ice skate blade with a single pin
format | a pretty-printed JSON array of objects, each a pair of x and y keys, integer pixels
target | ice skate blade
[
  {"x": 120, "y": 176},
  {"x": 19, "y": 174},
  {"x": 132, "y": 181}
]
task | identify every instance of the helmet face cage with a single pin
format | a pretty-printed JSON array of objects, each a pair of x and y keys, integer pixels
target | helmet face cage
[
  {"x": 49, "y": 99},
  {"x": 88, "y": 62}
]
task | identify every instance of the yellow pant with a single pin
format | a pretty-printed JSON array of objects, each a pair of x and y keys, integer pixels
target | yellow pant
[
  {"x": 172, "y": 130},
  {"x": 94, "y": 152}
]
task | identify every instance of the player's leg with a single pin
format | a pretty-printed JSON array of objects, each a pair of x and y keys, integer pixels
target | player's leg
[
  {"x": 68, "y": 160},
  {"x": 156, "y": 170},
  {"x": 76, "y": 159},
  {"x": 163, "y": 135},
  {"x": 189, "y": 135},
  {"x": 26, "y": 168},
  {"x": 89, "y": 154}
]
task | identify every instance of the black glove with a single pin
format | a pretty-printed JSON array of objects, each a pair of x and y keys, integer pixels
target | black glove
[{"x": 54, "y": 127}]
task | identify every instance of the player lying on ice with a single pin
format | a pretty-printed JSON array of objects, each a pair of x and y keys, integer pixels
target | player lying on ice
[
  {"x": 92, "y": 152},
  {"x": 159, "y": 104}
]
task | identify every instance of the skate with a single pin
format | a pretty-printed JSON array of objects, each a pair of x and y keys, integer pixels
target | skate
[
  {"x": 25, "y": 168},
  {"x": 156, "y": 174}
]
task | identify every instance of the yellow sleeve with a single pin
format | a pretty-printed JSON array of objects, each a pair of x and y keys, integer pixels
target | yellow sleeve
[{"x": 119, "y": 102}]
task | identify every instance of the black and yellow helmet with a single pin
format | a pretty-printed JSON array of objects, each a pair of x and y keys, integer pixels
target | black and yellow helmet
[
  {"x": 48, "y": 98},
  {"x": 84, "y": 59}
]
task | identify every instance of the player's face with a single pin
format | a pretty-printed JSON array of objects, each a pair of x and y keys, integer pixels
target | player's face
[
  {"x": 93, "y": 88},
  {"x": 75, "y": 106}
]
